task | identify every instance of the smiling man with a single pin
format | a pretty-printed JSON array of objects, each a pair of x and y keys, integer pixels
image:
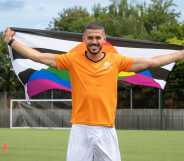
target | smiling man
[{"x": 94, "y": 91}]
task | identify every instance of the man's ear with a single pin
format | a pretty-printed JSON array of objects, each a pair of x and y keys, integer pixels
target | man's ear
[
  {"x": 83, "y": 37},
  {"x": 104, "y": 36}
]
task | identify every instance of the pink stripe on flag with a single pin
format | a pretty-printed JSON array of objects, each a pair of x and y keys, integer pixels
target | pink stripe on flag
[
  {"x": 140, "y": 79},
  {"x": 35, "y": 87}
]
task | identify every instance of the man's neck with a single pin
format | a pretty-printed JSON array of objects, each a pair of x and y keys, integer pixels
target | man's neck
[{"x": 95, "y": 57}]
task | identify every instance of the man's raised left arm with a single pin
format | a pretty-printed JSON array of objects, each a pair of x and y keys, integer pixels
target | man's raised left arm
[{"x": 144, "y": 63}]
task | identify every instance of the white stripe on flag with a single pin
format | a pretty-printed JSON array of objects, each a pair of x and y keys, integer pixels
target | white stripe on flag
[
  {"x": 20, "y": 65},
  {"x": 35, "y": 41}
]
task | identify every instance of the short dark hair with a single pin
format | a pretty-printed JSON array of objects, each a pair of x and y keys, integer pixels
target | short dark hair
[{"x": 95, "y": 26}]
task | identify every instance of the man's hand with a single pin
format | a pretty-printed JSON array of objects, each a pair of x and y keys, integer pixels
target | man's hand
[{"x": 8, "y": 35}]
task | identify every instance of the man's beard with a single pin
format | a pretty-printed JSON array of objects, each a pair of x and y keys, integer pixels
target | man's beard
[{"x": 94, "y": 48}]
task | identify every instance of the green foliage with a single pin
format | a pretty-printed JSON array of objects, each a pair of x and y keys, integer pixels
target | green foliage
[
  {"x": 161, "y": 20},
  {"x": 175, "y": 89},
  {"x": 175, "y": 40},
  {"x": 4, "y": 66},
  {"x": 73, "y": 20},
  {"x": 8, "y": 80},
  {"x": 156, "y": 21}
]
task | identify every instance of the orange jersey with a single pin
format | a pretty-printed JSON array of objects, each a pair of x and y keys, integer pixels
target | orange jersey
[{"x": 94, "y": 86}]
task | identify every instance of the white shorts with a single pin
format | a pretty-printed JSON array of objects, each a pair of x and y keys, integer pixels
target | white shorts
[{"x": 93, "y": 143}]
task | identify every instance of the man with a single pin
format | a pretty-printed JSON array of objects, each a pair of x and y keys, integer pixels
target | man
[{"x": 94, "y": 91}]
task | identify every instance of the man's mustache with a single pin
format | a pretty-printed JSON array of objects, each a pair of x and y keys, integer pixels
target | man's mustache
[{"x": 94, "y": 45}]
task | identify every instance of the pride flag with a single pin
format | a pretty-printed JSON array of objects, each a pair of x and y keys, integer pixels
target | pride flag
[{"x": 38, "y": 78}]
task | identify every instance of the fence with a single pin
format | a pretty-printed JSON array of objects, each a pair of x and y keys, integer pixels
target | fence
[{"x": 166, "y": 119}]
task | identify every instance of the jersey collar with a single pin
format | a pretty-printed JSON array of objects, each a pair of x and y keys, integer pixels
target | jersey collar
[{"x": 93, "y": 60}]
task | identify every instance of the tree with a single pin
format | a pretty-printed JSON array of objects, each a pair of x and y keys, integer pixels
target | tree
[
  {"x": 9, "y": 84},
  {"x": 73, "y": 19},
  {"x": 122, "y": 19},
  {"x": 160, "y": 20}
]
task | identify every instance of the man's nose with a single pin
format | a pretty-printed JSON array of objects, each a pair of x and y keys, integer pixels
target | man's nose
[{"x": 94, "y": 40}]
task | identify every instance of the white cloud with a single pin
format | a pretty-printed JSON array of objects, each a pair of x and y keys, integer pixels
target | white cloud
[{"x": 9, "y": 5}]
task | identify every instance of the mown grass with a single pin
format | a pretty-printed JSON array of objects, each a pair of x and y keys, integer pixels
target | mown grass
[{"x": 51, "y": 145}]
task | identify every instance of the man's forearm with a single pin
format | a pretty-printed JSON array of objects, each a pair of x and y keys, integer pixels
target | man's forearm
[
  {"x": 44, "y": 58},
  {"x": 141, "y": 63},
  {"x": 166, "y": 59},
  {"x": 26, "y": 51}
]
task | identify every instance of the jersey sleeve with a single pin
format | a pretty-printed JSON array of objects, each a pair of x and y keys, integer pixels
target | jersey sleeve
[
  {"x": 63, "y": 61},
  {"x": 125, "y": 62}
]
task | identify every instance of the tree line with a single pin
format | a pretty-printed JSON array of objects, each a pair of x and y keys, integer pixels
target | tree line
[{"x": 156, "y": 21}]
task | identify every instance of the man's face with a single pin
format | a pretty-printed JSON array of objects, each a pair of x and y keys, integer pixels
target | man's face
[{"x": 94, "y": 40}]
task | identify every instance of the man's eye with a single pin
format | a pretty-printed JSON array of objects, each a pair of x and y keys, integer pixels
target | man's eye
[
  {"x": 90, "y": 38},
  {"x": 98, "y": 37}
]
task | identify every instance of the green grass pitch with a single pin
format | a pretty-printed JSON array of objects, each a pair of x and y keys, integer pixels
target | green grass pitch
[{"x": 51, "y": 145}]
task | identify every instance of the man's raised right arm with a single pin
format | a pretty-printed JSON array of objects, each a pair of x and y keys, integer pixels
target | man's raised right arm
[{"x": 44, "y": 58}]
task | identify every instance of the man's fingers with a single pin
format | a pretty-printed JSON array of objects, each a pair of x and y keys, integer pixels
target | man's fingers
[
  {"x": 8, "y": 34},
  {"x": 6, "y": 31}
]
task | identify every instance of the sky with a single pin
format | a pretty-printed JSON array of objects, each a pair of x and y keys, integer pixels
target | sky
[{"x": 39, "y": 13}]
